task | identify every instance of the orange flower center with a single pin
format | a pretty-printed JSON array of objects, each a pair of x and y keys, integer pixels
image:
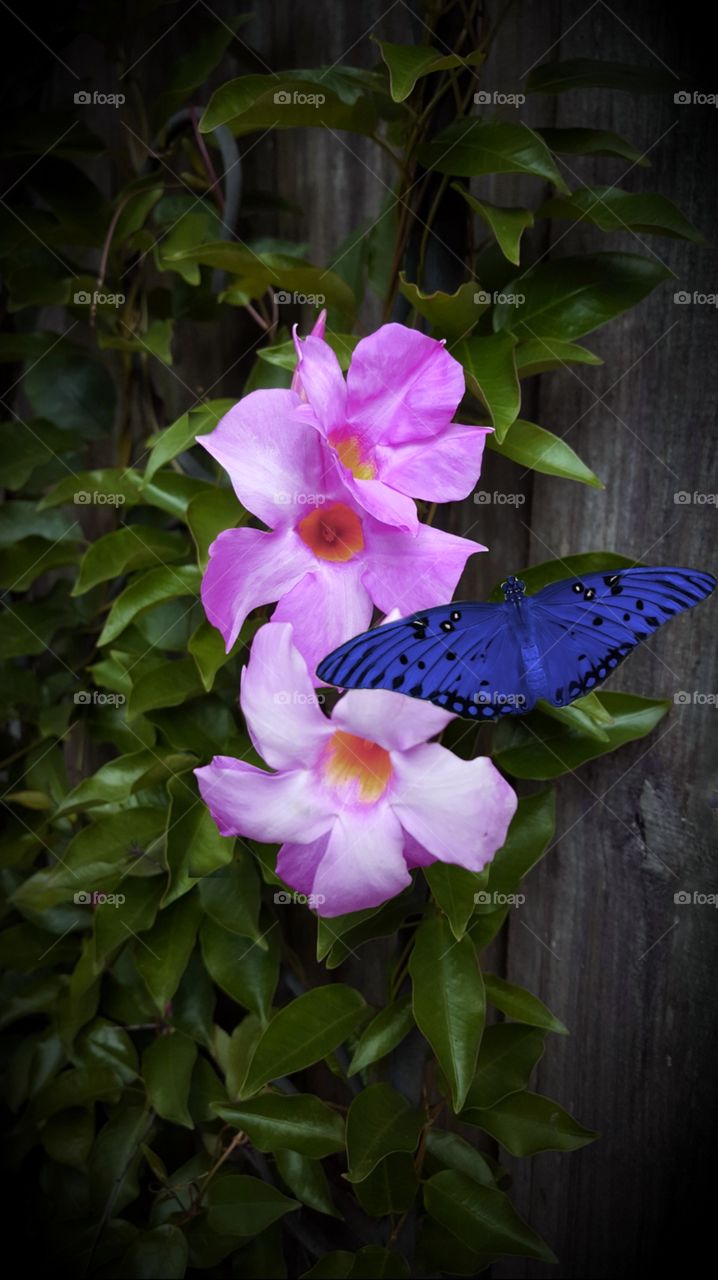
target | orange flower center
[
  {"x": 332, "y": 533},
  {"x": 349, "y": 450},
  {"x": 358, "y": 768}
]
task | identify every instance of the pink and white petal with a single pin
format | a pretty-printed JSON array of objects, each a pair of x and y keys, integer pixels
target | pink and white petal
[
  {"x": 416, "y": 855},
  {"x": 323, "y": 383},
  {"x": 382, "y": 502},
  {"x": 271, "y": 807},
  {"x": 414, "y": 572},
  {"x": 283, "y": 715},
  {"x": 363, "y": 864},
  {"x": 458, "y": 810},
  {"x": 272, "y": 460},
  {"x": 402, "y": 386},
  {"x": 297, "y": 863},
  {"x": 393, "y": 720},
  {"x": 444, "y": 469},
  {"x": 247, "y": 568},
  {"x": 328, "y": 606}
]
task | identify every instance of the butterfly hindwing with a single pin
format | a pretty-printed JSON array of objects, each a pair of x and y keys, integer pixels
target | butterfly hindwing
[
  {"x": 585, "y": 627},
  {"x": 462, "y": 657}
]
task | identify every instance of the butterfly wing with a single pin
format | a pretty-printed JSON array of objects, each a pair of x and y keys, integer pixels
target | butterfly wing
[
  {"x": 585, "y": 627},
  {"x": 464, "y": 657}
]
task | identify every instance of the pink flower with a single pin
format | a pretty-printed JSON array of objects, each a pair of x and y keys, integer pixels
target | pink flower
[
  {"x": 390, "y": 425},
  {"x": 355, "y": 800},
  {"x": 326, "y": 560}
]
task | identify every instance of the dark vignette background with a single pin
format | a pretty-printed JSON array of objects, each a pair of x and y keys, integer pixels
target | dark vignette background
[{"x": 600, "y": 939}]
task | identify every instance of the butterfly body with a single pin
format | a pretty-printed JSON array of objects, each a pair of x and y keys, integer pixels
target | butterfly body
[{"x": 483, "y": 661}]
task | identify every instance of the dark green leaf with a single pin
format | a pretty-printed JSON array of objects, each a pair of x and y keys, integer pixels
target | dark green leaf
[
  {"x": 383, "y": 1034},
  {"x": 525, "y": 1123},
  {"x": 304, "y": 1031},
  {"x": 612, "y": 209},
  {"x": 592, "y": 142},
  {"x": 520, "y": 1005},
  {"x": 239, "y": 1205},
  {"x": 508, "y": 1055},
  {"x": 379, "y": 1122},
  {"x": 507, "y": 225},
  {"x": 490, "y": 366},
  {"x": 167, "y": 1072},
  {"x": 306, "y": 1180},
  {"x": 294, "y": 1122},
  {"x": 408, "y": 63},
  {"x": 535, "y": 448},
  {"x": 589, "y": 73},
  {"x": 449, "y": 314},
  {"x": 247, "y": 971},
  {"x": 481, "y": 1217},
  {"x": 448, "y": 1000},
  {"x": 470, "y": 147}
]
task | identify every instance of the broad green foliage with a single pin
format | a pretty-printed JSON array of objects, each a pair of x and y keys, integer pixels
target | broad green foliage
[{"x": 193, "y": 1087}]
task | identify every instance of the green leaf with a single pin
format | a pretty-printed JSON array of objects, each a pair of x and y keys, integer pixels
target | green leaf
[
  {"x": 331, "y": 1266},
  {"x": 507, "y": 225},
  {"x": 470, "y": 147},
  {"x": 194, "y": 65},
  {"x": 376, "y": 1263},
  {"x": 453, "y": 1152},
  {"x": 525, "y": 1123},
  {"x": 449, "y": 314},
  {"x": 572, "y": 296},
  {"x": 104, "y": 1044},
  {"x": 542, "y": 748},
  {"x": 612, "y": 209},
  {"x": 592, "y": 142},
  {"x": 149, "y": 589},
  {"x": 537, "y": 355},
  {"x": 490, "y": 366},
  {"x": 194, "y": 846},
  {"x": 509, "y": 1053},
  {"x": 23, "y": 563},
  {"x": 208, "y": 514},
  {"x": 161, "y": 1251},
  {"x": 384, "y": 1033},
  {"x": 592, "y": 73},
  {"x": 72, "y": 389},
  {"x": 166, "y": 686},
  {"x": 231, "y": 897},
  {"x": 536, "y": 448},
  {"x": 532, "y": 827},
  {"x": 294, "y": 1122},
  {"x": 167, "y": 1072},
  {"x": 133, "y": 547},
  {"x": 257, "y": 272},
  {"x": 76, "y": 1087},
  {"x": 247, "y": 971},
  {"x": 380, "y": 1121},
  {"x": 448, "y": 1000},
  {"x": 520, "y": 1005},
  {"x": 453, "y": 888},
  {"x": 307, "y": 1180},
  {"x": 182, "y": 434},
  {"x": 408, "y": 63},
  {"x": 284, "y": 354},
  {"x": 304, "y": 1031},
  {"x": 239, "y": 1205},
  {"x": 481, "y": 1217},
  {"x": 68, "y": 1137},
  {"x": 119, "y": 778},
  {"x": 391, "y": 1187},
  {"x": 254, "y": 103},
  {"x": 21, "y": 519},
  {"x": 168, "y": 945}
]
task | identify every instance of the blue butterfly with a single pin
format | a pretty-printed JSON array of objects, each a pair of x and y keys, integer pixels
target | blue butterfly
[{"x": 489, "y": 660}]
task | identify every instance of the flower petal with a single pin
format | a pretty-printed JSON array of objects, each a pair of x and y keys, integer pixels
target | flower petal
[
  {"x": 363, "y": 864},
  {"x": 412, "y": 573},
  {"x": 402, "y": 386},
  {"x": 282, "y": 711},
  {"x": 441, "y": 470},
  {"x": 248, "y": 567},
  {"x": 394, "y": 721},
  {"x": 323, "y": 383},
  {"x": 458, "y": 810},
  {"x": 297, "y": 863},
  {"x": 271, "y": 807},
  {"x": 274, "y": 463},
  {"x": 384, "y": 503},
  {"x": 327, "y": 607}
]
